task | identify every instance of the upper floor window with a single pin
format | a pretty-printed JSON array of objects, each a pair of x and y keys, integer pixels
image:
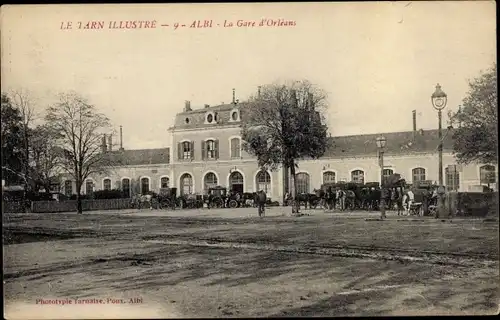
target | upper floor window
[
  {"x": 210, "y": 149},
  {"x": 235, "y": 148},
  {"x": 164, "y": 182},
  {"x": 106, "y": 184},
  {"x": 211, "y": 117},
  {"x": 235, "y": 115},
  {"x": 418, "y": 174},
  {"x": 186, "y": 150},
  {"x": 358, "y": 176},
  {"x": 487, "y": 174}
]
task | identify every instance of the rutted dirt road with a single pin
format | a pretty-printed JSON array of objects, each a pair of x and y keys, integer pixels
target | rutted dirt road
[{"x": 223, "y": 267}]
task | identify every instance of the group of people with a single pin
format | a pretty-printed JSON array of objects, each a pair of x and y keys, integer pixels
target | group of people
[{"x": 397, "y": 198}]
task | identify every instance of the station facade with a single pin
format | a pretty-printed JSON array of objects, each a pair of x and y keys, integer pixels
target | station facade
[{"x": 206, "y": 151}]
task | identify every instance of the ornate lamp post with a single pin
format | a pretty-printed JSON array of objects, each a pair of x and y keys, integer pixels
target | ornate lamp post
[
  {"x": 439, "y": 99},
  {"x": 381, "y": 145}
]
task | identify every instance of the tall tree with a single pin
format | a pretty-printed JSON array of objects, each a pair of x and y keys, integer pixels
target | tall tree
[
  {"x": 22, "y": 101},
  {"x": 283, "y": 124},
  {"x": 81, "y": 127},
  {"x": 45, "y": 156},
  {"x": 12, "y": 156},
  {"x": 476, "y": 138}
]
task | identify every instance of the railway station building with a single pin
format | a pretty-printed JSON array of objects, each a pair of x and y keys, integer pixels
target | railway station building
[{"x": 206, "y": 150}]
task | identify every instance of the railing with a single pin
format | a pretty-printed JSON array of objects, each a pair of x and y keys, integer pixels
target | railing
[{"x": 87, "y": 205}]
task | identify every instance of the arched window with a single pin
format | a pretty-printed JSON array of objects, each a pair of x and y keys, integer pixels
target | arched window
[
  {"x": 329, "y": 177},
  {"x": 126, "y": 187},
  {"x": 68, "y": 187},
  {"x": 487, "y": 174},
  {"x": 302, "y": 182},
  {"x": 210, "y": 181},
  {"x": 106, "y": 184},
  {"x": 358, "y": 176},
  {"x": 144, "y": 185},
  {"x": 452, "y": 179},
  {"x": 186, "y": 184},
  {"x": 235, "y": 148},
  {"x": 164, "y": 182},
  {"x": 236, "y": 183},
  {"x": 89, "y": 187},
  {"x": 418, "y": 174},
  {"x": 263, "y": 181}
]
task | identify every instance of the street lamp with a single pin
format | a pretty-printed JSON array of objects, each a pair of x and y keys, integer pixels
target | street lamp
[
  {"x": 439, "y": 99},
  {"x": 381, "y": 145}
]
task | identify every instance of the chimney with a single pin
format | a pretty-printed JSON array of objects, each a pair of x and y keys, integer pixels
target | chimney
[
  {"x": 258, "y": 91},
  {"x": 414, "y": 112},
  {"x": 110, "y": 142},
  {"x": 187, "y": 106},
  {"x": 234, "y": 96},
  {"x": 121, "y": 138},
  {"x": 103, "y": 144}
]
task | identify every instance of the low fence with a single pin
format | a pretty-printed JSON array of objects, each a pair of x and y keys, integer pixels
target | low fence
[
  {"x": 472, "y": 204},
  {"x": 13, "y": 206},
  {"x": 87, "y": 205}
]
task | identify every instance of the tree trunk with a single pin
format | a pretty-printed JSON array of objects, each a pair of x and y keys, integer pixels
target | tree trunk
[
  {"x": 293, "y": 189},
  {"x": 79, "y": 208}
]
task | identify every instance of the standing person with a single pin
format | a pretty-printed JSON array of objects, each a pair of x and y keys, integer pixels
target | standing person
[
  {"x": 261, "y": 197},
  {"x": 333, "y": 195},
  {"x": 341, "y": 198}
]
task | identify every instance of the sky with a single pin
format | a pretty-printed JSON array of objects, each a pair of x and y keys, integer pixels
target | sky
[{"x": 377, "y": 61}]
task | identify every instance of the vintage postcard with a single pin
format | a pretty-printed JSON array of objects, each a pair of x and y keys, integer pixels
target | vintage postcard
[{"x": 249, "y": 160}]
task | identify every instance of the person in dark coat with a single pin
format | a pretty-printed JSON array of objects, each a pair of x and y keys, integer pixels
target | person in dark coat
[{"x": 261, "y": 201}]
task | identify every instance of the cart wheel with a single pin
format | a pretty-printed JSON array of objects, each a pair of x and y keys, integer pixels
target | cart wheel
[
  {"x": 233, "y": 204},
  {"x": 165, "y": 204}
]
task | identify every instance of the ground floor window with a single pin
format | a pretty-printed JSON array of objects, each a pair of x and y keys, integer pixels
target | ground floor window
[
  {"x": 264, "y": 182},
  {"x": 186, "y": 184},
  {"x": 302, "y": 182},
  {"x": 210, "y": 181}
]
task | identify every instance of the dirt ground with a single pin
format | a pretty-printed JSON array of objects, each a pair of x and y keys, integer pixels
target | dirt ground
[{"x": 153, "y": 264}]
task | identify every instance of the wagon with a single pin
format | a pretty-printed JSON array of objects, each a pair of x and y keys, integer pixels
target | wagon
[
  {"x": 167, "y": 198},
  {"x": 216, "y": 197}
]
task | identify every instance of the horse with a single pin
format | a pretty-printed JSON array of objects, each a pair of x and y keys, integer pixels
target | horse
[
  {"x": 407, "y": 202},
  {"x": 329, "y": 199},
  {"x": 139, "y": 200},
  {"x": 350, "y": 199}
]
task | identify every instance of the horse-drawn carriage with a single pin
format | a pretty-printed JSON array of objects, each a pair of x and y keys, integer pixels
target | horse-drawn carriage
[
  {"x": 216, "y": 197},
  {"x": 424, "y": 202},
  {"x": 190, "y": 201},
  {"x": 167, "y": 198}
]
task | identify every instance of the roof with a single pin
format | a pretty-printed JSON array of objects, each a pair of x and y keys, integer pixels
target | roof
[
  {"x": 141, "y": 156},
  {"x": 397, "y": 143},
  {"x": 197, "y": 116}
]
